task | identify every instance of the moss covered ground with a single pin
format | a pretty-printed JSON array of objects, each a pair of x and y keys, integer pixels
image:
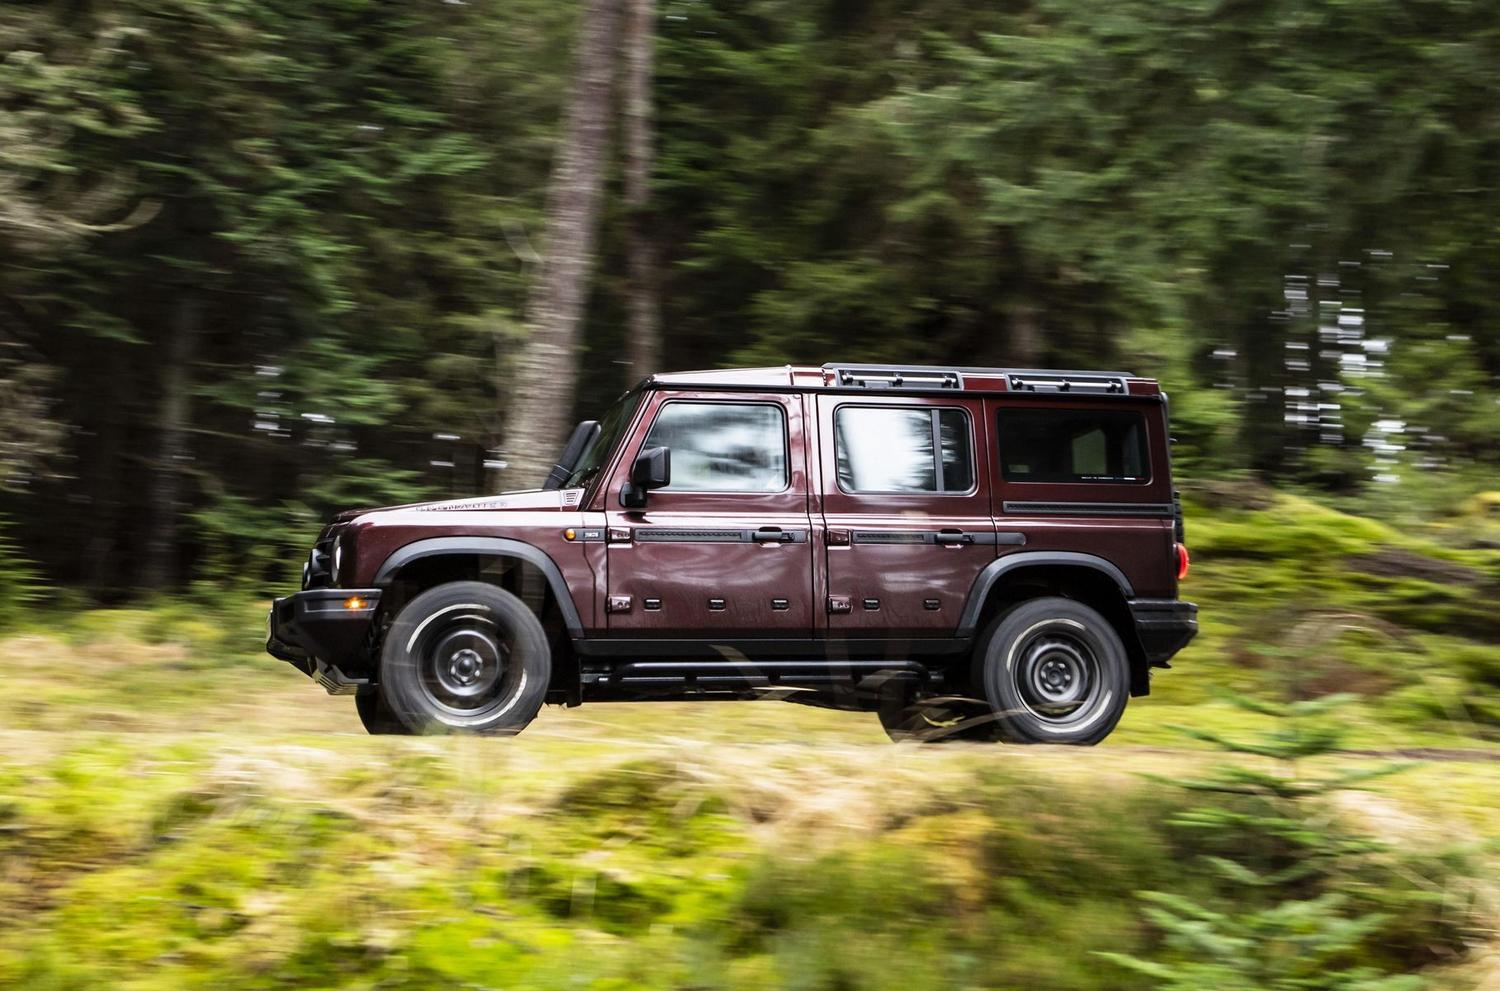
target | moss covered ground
[{"x": 179, "y": 811}]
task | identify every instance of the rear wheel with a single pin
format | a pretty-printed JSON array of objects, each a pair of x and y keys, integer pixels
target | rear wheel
[
  {"x": 1055, "y": 671},
  {"x": 465, "y": 657}
]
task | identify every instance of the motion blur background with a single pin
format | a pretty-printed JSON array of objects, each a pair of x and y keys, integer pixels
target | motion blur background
[{"x": 261, "y": 260}]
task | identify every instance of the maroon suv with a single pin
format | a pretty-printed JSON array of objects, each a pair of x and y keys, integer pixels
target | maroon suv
[{"x": 973, "y": 553}]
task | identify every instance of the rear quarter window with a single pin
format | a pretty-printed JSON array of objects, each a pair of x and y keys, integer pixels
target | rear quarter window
[{"x": 1062, "y": 445}]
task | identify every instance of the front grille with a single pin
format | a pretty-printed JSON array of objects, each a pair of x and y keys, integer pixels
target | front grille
[{"x": 318, "y": 571}]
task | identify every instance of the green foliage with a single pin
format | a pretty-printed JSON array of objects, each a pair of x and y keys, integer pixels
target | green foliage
[
  {"x": 349, "y": 862},
  {"x": 1295, "y": 915},
  {"x": 194, "y": 814},
  {"x": 1396, "y": 613},
  {"x": 1292, "y": 945},
  {"x": 317, "y": 195},
  {"x": 19, "y": 585},
  {"x": 1004, "y": 185},
  {"x": 343, "y": 202},
  {"x": 260, "y": 548}
]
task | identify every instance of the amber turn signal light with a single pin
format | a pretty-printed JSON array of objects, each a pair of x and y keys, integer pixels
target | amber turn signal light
[
  {"x": 1184, "y": 561},
  {"x": 356, "y": 602},
  {"x": 570, "y": 534}
]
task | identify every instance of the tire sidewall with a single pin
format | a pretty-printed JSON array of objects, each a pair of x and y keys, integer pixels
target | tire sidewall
[
  {"x": 375, "y": 715},
  {"x": 1000, "y": 657},
  {"x": 401, "y": 672}
]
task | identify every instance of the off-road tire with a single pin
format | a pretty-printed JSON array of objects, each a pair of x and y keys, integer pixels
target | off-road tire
[
  {"x": 377, "y": 717},
  {"x": 1055, "y": 671},
  {"x": 465, "y": 657}
]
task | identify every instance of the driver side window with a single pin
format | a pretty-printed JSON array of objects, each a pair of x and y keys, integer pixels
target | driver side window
[{"x": 722, "y": 447}]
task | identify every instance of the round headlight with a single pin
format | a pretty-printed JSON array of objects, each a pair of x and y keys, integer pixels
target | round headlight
[{"x": 338, "y": 560}]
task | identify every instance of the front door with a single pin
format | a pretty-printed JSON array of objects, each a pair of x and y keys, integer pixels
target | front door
[
  {"x": 906, "y": 508},
  {"x": 725, "y": 550}
]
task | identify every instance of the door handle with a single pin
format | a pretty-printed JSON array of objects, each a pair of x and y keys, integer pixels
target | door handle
[
  {"x": 952, "y": 538},
  {"x": 772, "y": 535}
]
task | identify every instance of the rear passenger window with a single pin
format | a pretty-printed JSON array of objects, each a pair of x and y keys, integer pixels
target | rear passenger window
[
  {"x": 894, "y": 450},
  {"x": 722, "y": 447},
  {"x": 1053, "y": 445}
]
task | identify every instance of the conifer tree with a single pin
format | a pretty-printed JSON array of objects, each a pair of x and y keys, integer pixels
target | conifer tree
[{"x": 1283, "y": 860}]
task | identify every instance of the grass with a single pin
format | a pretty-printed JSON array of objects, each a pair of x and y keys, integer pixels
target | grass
[
  {"x": 177, "y": 810},
  {"x": 239, "y": 859}
]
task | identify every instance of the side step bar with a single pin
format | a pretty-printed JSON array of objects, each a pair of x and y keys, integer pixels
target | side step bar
[{"x": 747, "y": 673}]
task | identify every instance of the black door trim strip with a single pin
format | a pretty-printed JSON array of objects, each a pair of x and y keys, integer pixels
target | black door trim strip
[
  {"x": 697, "y": 535},
  {"x": 987, "y": 537},
  {"x": 1152, "y": 509}
]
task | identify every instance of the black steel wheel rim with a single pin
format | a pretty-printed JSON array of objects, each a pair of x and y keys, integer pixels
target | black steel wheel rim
[
  {"x": 1057, "y": 675},
  {"x": 465, "y": 666}
]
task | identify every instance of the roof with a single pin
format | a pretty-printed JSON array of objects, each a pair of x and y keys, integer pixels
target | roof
[{"x": 858, "y": 377}]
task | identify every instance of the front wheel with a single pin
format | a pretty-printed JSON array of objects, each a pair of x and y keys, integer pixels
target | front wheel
[
  {"x": 465, "y": 657},
  {"x": 377, "y": 717},
  {"x": 1055, "y": 671}
]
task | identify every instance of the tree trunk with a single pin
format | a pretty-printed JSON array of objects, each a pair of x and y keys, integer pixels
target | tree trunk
[
  {"x": 542, "y": 402},
  {"x": 99, "y": 555},
  {"x": 172, "y": 450},
  {"x": 645, "y": 307},
  {"x": 1025, "y": 337}
]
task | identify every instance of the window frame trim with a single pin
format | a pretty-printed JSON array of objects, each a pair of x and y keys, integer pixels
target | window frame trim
[
  {"x": 937, "y": 453},
  {"x": 786, "y": 446},
  {"x": 1145, "y": 436}
]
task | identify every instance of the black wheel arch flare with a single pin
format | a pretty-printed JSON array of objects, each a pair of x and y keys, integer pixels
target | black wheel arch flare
[
  {"x": 487, "y": 547},
  {"x": 994, "y": 574}
]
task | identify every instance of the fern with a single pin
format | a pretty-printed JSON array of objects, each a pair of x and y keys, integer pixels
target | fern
[{"x": 1282, "y": 862}]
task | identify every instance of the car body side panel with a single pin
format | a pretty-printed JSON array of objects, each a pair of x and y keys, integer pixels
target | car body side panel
[
  {"x": 1124, "y": 524},
  {"x": 1128, "y": 525},
  {"x": 887, "y": 572},
  {"x": 379, "y": 535},
  {"x": 686, "y": 565}
]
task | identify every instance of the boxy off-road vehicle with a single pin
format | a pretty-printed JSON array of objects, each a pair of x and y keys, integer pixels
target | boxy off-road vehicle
[{"x": 972, "y": 553}]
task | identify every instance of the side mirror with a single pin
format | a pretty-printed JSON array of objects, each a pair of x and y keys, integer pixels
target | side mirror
[{"x": 652, "y": 470}]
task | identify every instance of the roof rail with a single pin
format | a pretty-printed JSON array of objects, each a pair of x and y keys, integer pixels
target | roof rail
[
  {"x": 889, "y": 377},
  {"x": 1066, "y": 382}
]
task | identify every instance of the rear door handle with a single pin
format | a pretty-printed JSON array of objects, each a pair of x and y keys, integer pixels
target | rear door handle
[
  {"x": 772, "y": 535},
  {"x": 953, "y": 537}
]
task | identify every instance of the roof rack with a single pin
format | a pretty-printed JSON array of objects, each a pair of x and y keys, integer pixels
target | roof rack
[
  {"x": 1066, "y": 382},
  {"x": 890, "y": 377},
  {"x": 1016, "y": 379}
]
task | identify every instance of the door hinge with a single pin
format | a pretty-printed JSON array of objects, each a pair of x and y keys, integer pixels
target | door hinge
[
  {"x": 840, "y": 603},
  {"x": 618, "y": 603}
]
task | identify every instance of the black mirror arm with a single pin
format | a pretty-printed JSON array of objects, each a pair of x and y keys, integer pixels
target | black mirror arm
[
  {"x": 652, "y": 470},
  {"x": 632, "y": 497}
]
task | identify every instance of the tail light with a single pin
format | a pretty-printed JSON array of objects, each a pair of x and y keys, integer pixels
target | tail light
[{"x": 1184, "y": 561}]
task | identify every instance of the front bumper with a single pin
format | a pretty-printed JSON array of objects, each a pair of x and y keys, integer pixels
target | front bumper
[
  {"x": 320, "y": 631},
  {"x": 1165, "y": 626}
]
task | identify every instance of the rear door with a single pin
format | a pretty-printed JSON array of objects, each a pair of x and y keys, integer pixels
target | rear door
[
  {"x": 725, "y": 550},
  {"x": 906, "y": 511}
]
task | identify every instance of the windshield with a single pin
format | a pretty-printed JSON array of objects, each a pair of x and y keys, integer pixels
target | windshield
[{"x": 591, "y": 462}]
